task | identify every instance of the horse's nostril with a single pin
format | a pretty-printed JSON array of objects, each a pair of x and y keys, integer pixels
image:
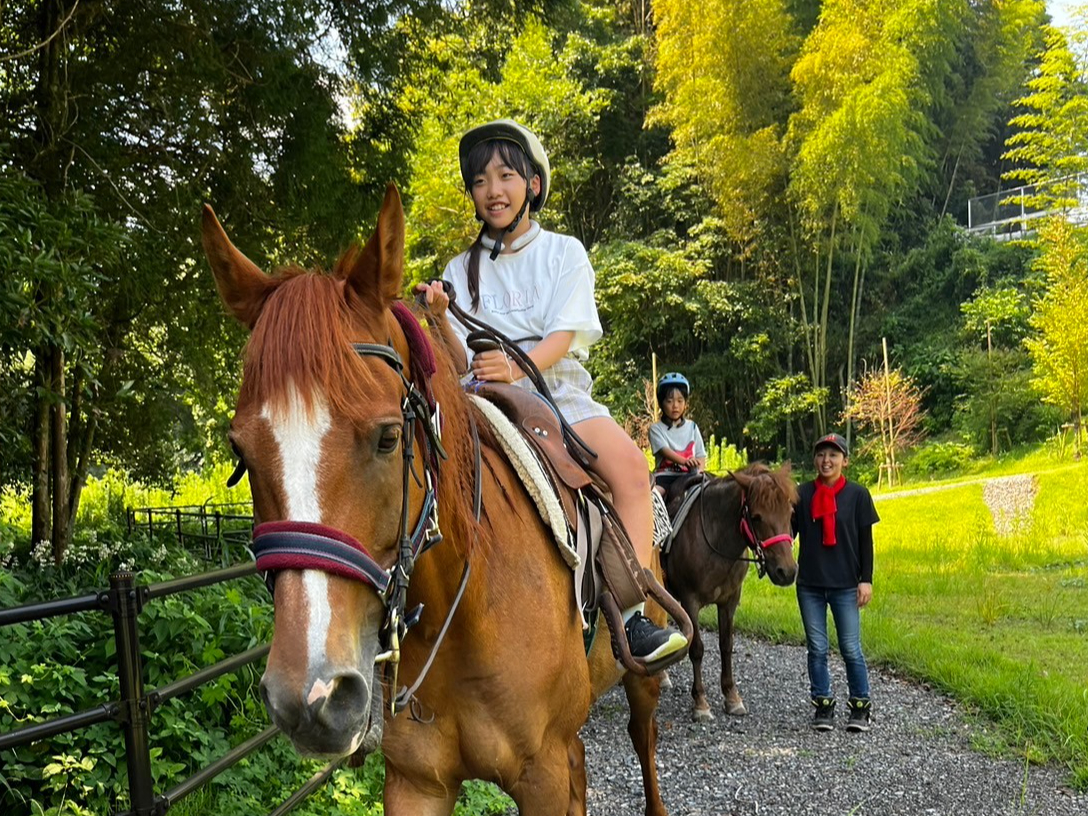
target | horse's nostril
[
  {"x": 282, "y": 709},
  {"x": 349, "y": 699}
]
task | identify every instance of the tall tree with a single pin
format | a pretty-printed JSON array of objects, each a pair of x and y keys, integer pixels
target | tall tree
[
  {"x": 1059, "y": 348},
  {"x": 150, "y": 109},
  {"x": 723, "y": 67},
  {"x": 1050, "y": 148},
  {"x": 860, "y": 140}
]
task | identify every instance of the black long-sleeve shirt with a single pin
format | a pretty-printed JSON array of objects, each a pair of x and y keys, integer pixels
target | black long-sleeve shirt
[{"x": 849, "y": 561}]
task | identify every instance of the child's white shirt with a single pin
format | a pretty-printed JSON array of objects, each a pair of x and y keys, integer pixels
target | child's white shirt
[
  {"x": 544, "y": 286},
  {"x": 685, "y": 438}
]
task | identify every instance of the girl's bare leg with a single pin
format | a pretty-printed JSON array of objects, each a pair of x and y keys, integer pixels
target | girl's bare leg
[{"x": 626, "y": 472}]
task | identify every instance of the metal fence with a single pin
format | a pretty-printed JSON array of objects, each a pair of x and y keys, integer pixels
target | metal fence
[
  {"x": 221, "y": 532},
  {"x": 1013, "y": 214},
  {"x": 133, "y": 712}
]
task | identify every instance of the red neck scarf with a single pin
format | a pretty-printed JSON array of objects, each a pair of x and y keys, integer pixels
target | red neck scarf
[{"x": 824, "y": 507}]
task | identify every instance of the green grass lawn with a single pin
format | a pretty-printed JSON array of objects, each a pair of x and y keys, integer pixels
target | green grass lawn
[{"x": 1000, "y": 623}]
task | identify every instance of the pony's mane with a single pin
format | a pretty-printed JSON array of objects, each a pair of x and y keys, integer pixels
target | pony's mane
[
  {"x": 777, "y": 490},
  {"x": 301, "y": 341}
]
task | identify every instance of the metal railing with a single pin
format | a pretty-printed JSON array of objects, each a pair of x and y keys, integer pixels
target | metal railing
[
  {"x": 134, "y": 711},
  {"x": 221, "y": 531},
  {"x": 1013, "y": 214}
]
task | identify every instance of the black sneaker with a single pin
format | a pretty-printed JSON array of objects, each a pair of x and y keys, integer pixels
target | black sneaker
[
  {"x": 859, "y": 714},
  {"x": 824, "y": 718},
  {"x": 649, "y": 642}
]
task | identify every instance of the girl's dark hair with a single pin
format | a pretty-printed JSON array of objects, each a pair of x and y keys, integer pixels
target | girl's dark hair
[
  {"x": 478, "y": 158},
  {"x": 662, "y": 395}
]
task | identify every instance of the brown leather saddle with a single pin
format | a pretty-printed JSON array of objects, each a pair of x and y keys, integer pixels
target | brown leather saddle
[{"x": 611, "y": 578}]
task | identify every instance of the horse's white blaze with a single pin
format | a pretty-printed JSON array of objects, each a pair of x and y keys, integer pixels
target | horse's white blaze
[
  {"x": 316, "y": 584},
  {"x": 299, "y": 433}
]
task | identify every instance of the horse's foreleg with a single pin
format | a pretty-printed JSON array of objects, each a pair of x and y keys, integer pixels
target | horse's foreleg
[
  {"x": 734, "y": 703},
  {"x": 402, "y": 798},
  {"x": 576, "y": 758},
  {"x": 700, "y": 708},
  {"x": 642, "y": 696},
  {"x": 544, "y": 787}
]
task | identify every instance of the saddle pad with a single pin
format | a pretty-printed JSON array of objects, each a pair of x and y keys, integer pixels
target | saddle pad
[
  {"x": 532, "y": 475},
  {"x": 690, "y": 495},
  {"x": 662, "y": 524}
]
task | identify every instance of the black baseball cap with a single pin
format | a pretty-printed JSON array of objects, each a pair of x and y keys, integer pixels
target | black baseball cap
[{"x": 834, "y": 440}]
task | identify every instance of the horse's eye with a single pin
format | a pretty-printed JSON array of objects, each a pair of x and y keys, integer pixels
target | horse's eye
[
  {"x": 757, "y": 517},
  {"x": 389, "y": 440}
]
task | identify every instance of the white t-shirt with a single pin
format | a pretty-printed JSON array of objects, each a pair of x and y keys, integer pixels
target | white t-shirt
[{"x": 544, "y": 286}]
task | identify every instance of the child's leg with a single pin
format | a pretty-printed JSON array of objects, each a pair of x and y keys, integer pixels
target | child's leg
[{"x": 624, "y": 469}]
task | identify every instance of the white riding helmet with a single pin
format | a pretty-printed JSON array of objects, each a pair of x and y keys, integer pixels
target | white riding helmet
[{"x": 520, "y": 135}]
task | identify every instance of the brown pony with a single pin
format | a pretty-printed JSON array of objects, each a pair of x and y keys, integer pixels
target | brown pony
[
  {"x": 331, "y": 423},
  {"x": 736, "y": 520}
]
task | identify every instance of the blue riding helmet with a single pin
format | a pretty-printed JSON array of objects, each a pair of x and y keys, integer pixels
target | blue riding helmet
[{"x": 673, "y": 379}]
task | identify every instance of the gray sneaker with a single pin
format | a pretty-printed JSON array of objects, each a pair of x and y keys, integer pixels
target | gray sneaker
[
  {"x": 649, "y": 642},
  {"x": 824, "y": 718},
  {"x": 860, "y": 707}
]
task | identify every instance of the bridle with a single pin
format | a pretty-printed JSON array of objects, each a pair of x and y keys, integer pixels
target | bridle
[
  {"x": 754, "y": 543},
  {"x": 303, "y": 545}
]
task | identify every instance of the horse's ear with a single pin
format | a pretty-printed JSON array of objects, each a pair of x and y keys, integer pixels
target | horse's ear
[
  {"x": 242, "y": 286},
  {"x": 381, "y": 263},
  {"x": 786, "y": 468},
  {"x": 741, "y": 478}
]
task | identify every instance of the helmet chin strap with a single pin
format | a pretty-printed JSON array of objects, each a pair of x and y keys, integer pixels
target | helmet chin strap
[{"x": 495, "y": 250}]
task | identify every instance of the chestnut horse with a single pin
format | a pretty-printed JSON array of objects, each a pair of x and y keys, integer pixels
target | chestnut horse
[
  {"x": 336, "y": 423},
  {"x": 736, "y": 520}
]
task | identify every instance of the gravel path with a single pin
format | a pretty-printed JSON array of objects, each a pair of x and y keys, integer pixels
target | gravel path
[{"x": 916, "y": 760}]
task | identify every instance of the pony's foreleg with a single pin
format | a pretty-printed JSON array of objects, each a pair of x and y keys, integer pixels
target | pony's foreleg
[
  {"x": 642, "y": 696},
  {"x": 734, "y": 703},
  {"x": 576, "y": 757},
  {"x": 700, "y": 708},
  {"x": 544, "y": 787}
]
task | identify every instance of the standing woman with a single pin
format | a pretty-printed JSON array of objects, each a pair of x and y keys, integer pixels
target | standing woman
[
  {"x": 536, "y": 287},
  {"x": 834, "y": 518}
]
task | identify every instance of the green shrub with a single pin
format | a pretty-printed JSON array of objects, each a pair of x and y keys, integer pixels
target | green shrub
[{"x": 938, "y": 459}]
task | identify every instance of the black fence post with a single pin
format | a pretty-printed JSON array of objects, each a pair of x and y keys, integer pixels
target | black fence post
[
  {"x": 126, "y": 607},
  {"x": 219, "y": 539}
]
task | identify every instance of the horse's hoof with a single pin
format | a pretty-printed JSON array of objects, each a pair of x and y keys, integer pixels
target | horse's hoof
[
  {"x": 666, "y": 681},
  {"x": 736, "y": 709},
  {"x": 701, "y": 715}
]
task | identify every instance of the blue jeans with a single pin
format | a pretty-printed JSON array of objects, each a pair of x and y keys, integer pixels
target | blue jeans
[{"x": 814, "y": 602}]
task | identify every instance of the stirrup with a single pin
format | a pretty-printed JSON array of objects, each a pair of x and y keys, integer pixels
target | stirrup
[{"x": 614, "y": 616}]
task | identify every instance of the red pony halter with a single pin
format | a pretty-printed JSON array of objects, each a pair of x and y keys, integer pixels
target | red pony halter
[{"x": 748, "y": 530}]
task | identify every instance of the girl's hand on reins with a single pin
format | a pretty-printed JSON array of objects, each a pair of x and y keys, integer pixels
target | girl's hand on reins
[
  {"x": 495, "y": 366},
  {"x": 434, "y": 297}
]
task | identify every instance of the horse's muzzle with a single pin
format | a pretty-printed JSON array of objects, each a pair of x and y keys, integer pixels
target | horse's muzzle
[{"x": 329, "y": 718}]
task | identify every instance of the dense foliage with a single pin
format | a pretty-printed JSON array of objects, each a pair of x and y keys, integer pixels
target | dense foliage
[{"x": 767, "y": 190}]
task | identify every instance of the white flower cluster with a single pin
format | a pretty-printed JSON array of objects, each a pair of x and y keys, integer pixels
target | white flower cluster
[{"x": 42, "y": 554}]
